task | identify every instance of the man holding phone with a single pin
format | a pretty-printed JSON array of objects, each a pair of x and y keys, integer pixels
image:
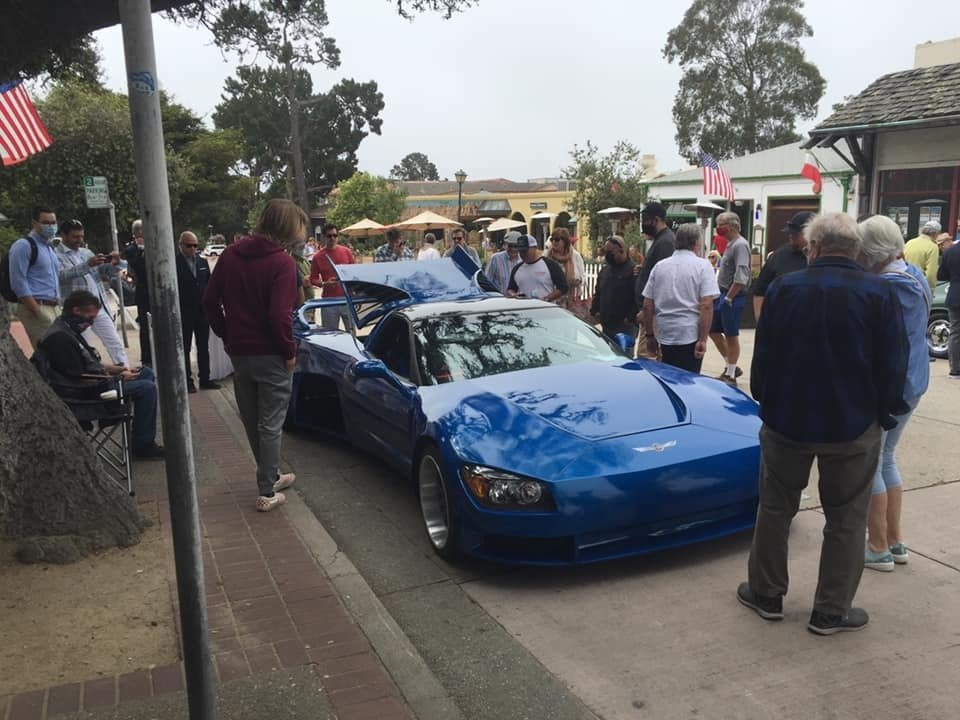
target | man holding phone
[
  {"x": 69, "y": 355},
  {"x": 81, "y": 269}
]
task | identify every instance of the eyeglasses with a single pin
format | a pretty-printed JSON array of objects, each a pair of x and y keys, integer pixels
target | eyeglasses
[
  {"x": 331, "y": 235},
  {"x": 189, "y": 244},
  {"x": 458, "y": 237}
]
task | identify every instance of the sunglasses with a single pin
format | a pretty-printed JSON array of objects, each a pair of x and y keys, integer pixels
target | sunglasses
[
  {"x": 189, "y": 244},
  {"x": 331, "y": 235}
]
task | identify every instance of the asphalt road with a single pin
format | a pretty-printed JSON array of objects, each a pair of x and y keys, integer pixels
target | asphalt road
[{"x": 662, "y": 636}]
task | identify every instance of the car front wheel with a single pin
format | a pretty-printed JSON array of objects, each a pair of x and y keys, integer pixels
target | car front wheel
[
  {"x": 435, "y": 507},
  {"x": 938, "y": 334}
]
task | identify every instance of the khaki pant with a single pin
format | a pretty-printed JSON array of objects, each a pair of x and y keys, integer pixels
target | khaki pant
[
  {"x": 35, "y": 325},
  {"x": 846, "y": 479}
]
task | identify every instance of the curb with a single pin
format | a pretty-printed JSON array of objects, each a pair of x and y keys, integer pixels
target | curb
[{"x": 421, "y": 690}]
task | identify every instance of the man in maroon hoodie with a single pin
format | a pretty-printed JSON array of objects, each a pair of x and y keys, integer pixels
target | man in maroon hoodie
[{"x": 249, "y": 302}]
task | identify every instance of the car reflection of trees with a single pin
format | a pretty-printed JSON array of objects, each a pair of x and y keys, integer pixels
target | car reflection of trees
[
  {"x": 472, "y": 346},
  {"x": 563, "y": 409}
]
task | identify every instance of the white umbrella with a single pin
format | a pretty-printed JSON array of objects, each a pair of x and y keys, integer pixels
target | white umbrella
[
  {"x": 543, "y": 215},
  {"x": 427, "y": 220},
  {"x": 505, "y": 224},
  {"x": 363, "y": 228}
]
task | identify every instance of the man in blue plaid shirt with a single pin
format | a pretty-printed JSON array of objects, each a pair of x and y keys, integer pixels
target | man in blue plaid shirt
[{"x": 394, "y": 249}]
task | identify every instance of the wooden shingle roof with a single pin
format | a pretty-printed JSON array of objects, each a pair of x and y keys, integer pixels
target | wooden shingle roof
[{"x": 921, "y": 94}]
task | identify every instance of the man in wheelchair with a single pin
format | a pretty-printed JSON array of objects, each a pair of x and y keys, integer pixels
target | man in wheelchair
[{"x": 74, "y": 368}]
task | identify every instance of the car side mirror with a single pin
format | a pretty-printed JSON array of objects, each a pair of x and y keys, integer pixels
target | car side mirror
[
  {"x": 371, "y": 369},
  {"x": 625, "y": 341}
]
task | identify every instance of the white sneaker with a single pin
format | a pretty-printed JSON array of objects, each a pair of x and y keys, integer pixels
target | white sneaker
[
  {"x": 284, "y": 480},
  {"x": 266, "y": 504}
]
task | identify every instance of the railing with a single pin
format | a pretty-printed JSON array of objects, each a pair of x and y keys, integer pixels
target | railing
[{"x": 591, "y": 270}]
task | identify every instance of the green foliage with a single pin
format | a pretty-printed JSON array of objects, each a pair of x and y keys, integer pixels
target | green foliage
[
  {"x": 407, "y": 8},
  {"x": 73, "y": 59},
  {"x": 366, "y": 196},
  {"x": 745, "y": 79},
  {"x": 8, "y": 236},
  {"x": 603, "y": 181},
  {"x": 415, "y": 166},
  {"x": 332, "y": 126}
]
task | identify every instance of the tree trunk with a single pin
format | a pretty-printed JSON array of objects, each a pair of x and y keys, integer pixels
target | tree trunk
[
  {"x": 296, "y": 149},
  {"x": 55, "y": 499}
]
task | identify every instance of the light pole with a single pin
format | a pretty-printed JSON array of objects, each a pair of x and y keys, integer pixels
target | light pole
[{"x": 461, "y": 177}]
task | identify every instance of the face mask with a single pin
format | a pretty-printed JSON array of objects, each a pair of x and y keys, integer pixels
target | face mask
[
  {"x": 49, "y": 231},
  {"x": 610, "y": 256},
  {"x": 649, "y": 229},
  {"x": 79, "y": 322}
]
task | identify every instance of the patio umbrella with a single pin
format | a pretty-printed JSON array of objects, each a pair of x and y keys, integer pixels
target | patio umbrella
[
  {"x": 364, "y": 228},
  {"x": 483, "y": 220},
  {"x": 616, "y": 211},
  {"x": 505, "y": 224},
  {"x": 543, "y": 215},
  {"x": 426, "y": 220}
]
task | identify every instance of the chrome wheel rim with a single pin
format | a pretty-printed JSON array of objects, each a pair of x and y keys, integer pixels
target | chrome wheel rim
[
  {"x": 938, "y": 333},
  {"x": 433, "y": 502}
]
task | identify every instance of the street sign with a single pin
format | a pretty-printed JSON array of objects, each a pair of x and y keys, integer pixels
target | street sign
[{"x": 95, "y": 188}]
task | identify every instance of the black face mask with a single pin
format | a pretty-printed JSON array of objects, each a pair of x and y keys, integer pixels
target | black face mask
[
  {"x": 649, "y": 228},
  {"x": 79, "y": 322},
  {"x": 611, "y": 257}
]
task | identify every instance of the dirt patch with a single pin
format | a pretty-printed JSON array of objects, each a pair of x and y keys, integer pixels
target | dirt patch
[{"x": 107, "y": 614}]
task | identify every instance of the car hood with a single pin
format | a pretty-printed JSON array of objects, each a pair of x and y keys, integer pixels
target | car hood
[{"x": 591, "y": 401}]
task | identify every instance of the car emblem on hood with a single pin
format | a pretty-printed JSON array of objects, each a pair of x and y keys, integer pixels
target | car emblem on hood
[{"x": 657, "y": 447}]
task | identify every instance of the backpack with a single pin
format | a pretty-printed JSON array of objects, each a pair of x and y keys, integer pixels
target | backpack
[{"x": 6, "y": 290}]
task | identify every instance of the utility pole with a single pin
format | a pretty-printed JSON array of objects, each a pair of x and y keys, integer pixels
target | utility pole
[{"x": 150, "y": 159}]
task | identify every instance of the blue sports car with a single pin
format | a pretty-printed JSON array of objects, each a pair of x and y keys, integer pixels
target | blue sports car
[{"x": 530, "y": 436}]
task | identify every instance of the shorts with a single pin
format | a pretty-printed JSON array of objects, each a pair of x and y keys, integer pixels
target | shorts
[{"x": 726, "y": 318}]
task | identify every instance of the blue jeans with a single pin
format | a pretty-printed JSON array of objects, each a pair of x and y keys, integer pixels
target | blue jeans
[
  {"x": 143, "y": 392},
  {"x": 888, "y": 476}
]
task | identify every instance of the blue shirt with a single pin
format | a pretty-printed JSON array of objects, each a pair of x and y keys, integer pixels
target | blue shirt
[
  {"x": 42, "y": 281},
  {"x": 913, "y": 292},
  {"x": 830, "y": 353}
]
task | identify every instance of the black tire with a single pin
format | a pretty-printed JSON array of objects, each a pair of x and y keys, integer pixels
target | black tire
[
  {"x": 938, "y": 333},
  {"x": 433, "y": 491}
]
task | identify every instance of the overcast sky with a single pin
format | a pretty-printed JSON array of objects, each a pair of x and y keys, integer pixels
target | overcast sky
[{"x": 508, "y": 87}]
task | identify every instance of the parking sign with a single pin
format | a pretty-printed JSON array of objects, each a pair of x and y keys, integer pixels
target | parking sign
[{"x": 96, "y": 191}]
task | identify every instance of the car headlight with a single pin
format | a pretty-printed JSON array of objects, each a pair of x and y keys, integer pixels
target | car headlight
[{"x": 505, "y": 491}]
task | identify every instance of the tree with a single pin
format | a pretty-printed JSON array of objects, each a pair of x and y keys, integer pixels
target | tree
[
  {"x": 612, "y": 180},
  {"x": 365, "y": 196},
  {"x": 332, "y": 126},
  {"x": 745, "y": 79},
  {"x": 415, "y": 166}
]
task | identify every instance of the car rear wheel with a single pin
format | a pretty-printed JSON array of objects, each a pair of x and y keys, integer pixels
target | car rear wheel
[
  {"x": 938, "y": 333},
  {"x": 438, "y": 520}
]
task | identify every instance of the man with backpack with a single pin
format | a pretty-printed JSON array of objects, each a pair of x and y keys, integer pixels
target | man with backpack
[{"x": 31, "y": 277}]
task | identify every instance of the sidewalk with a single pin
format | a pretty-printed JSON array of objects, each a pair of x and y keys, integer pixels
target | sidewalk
[{"x": 278, "y": 626}]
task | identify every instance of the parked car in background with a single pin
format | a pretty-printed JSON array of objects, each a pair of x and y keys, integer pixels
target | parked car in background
[
  {"x": 938, "y": 327},
  {"x": 213, "y": 250}
]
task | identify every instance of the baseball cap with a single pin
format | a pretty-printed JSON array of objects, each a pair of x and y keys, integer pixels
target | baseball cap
[
  {"x": 526, "y": 241},
  {"x": 656, "y": 209},
  {"x": 511, "y": 237},
  {"x": 799, "y": 221},
  {"x": 932, "y": 227}
]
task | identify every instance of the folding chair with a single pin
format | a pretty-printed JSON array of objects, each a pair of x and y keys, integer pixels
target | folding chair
[{"x": 108, "y": 422}]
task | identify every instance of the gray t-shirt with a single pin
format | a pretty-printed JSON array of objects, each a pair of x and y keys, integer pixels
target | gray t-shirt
[{"x": 735, "y": 264}]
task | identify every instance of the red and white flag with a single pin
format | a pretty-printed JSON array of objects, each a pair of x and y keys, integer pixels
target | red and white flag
[
  {"x": 811, "y": 171},
  {"x": 716, "y": 182},
  {"x": 22, "y": 134}
]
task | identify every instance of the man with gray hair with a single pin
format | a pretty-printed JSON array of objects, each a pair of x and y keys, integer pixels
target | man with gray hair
[
  {"x": 733, "y": 276},
  {"x": 924, "y": 252},
  {"x": 137, "y": 266},
  {"x": 680, "y": 291},
  {"x": 829, "y": 371}
]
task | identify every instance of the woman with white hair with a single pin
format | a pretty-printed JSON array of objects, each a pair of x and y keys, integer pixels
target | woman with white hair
[{"x": 882, "y": 252}]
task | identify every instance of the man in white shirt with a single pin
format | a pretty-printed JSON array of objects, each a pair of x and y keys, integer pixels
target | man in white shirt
[
  {"x": 81, "y": 269},
  {"x": 537, "y": 276},
  {"x": 428, "y": 251},
  {"x": 680, "y": 291}
]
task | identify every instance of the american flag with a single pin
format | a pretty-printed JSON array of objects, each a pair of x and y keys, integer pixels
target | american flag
[
  {"x": 716, "y": 183},
  {"x": 21, "y": 132}
]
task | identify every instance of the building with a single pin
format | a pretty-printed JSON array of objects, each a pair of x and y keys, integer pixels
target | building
[
  {"x": 901, "y": 135},
  {"x": 768, "y": 190},
  {"x": 496, "y": 198}
]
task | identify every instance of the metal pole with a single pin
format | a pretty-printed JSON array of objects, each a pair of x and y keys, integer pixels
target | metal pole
[
  {"x": 459, "y": 198},
  {"x": 150, "y": 158},
  {"x": 117, "y": 278}
]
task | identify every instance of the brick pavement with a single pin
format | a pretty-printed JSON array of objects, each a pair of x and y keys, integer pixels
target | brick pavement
[{"x": 270, "y": 606}]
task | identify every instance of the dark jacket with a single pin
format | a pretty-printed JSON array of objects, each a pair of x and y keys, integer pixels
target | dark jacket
[
  {"x": 614, "y": 301},
  {"x": 663, "y": 246},
  {"x": 137, "y": 266},
  {"x": 784, "y": 260},
  {"x": 950, "y": 270},
  {"x": 190, "y": 288},
  {"x": 250, "y": 298}
]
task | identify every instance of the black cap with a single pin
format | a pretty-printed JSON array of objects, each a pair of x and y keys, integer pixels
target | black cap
[
  {"x": 799, "y": 221},
  {"x": 655, "y": 209}
]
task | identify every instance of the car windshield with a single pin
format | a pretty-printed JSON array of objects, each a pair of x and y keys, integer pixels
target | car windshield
[{"x": 464, "y": 346}]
